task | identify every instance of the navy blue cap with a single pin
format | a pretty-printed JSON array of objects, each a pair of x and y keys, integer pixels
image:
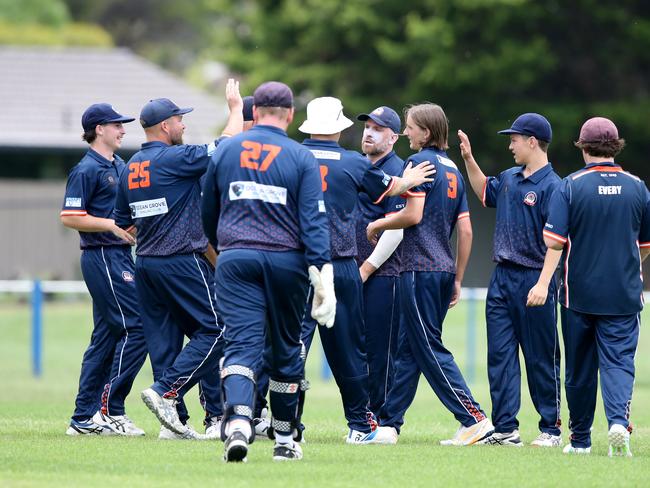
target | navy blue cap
[
  {"x": 101, "y": 113},
  {"x": 248, "y": 108},
  {"x": 159, "y": 109},
  {"x": 384, "y": 116},
  {"x": 273, "y": 94},
  {"x": 531, "y": 124}
]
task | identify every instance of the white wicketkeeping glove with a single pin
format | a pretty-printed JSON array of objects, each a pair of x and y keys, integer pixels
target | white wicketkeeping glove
[{"x": 323, "y": 308}]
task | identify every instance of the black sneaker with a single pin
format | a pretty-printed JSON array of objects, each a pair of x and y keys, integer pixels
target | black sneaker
[
  {"x": 235, "y": 448},
  {"x": 287, "y": 452}
]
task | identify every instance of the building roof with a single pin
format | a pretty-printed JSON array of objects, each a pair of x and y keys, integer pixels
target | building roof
[{"x": 44, "y": 91}]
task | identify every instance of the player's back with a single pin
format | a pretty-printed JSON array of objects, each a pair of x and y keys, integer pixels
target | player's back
[
  {"x": 261, "y": 177},
  {"x": 607, "y": 207},
  {"x": 342, "y": 172},
  {"x": 161, "y": 187},
  {"x": 426, "y": 246}
]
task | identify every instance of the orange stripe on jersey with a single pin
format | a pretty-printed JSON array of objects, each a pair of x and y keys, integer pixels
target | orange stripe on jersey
[
  {"x": 79, "y": 213},
  {"x": 413, "y": 194},
  {"x": 390, "y": 187},
  {"x": 644, "y": 245},
  {"x": 463, "y": 215},
  {"x": 555, "y": 237},
  {"x": 598, "y": 168}
]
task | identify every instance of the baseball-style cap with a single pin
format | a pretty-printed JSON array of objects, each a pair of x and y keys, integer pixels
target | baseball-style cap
[
  {"x": 248, "y": 108},
  {"x": 273, "y": 94},
  {"x": 598, "y": 129},
  {"x": 101, "y": 113},
  {"x": 159, "y": 109},
  {"x": 384, "y": 116},
  {"x": 531, "y": 124},
  {"x": 325, "y": 116}
]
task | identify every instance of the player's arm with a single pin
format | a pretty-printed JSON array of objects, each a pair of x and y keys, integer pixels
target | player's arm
[
  {"x": 210, "y": 205},
  {"x": 538, "y": 293},
  {"x": 235, "y": 122},
  {"x": 410, "y": 215},
  {"x": 384, "y": 249},
  {"x": 464, "y": 238},
  {"x": 477, "y": 178},
  {"x": 89, "y": 223},
  {"x": 412, "y": 176}
]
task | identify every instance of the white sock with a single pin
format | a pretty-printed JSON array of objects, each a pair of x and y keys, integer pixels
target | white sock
[
  {"x": 242, "y": 425},
  {"x": 283, "y": 439}
]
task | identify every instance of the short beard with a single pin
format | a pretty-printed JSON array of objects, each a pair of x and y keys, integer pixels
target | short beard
[
  {"x": 377, "y": 149},
  {"x": 177, "y": 140}
]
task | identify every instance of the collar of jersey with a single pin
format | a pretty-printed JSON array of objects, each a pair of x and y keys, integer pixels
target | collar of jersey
[
  {"x": 320, "y": 142},
  {"x": 608, "y": 163},
  {"x": 101, "y": 159},
  {"x": 268, "y": 127},
  {"x": 154, "y": 144},
  {"x": 538, "y": 175},
  {"x": 380, "y": 162}
]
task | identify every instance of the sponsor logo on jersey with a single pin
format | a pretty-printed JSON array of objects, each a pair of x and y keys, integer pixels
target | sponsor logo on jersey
[
  {"x": 322, "y": 154},
  {"x": 111, "y": 180},
  {"x": 73, "y": 202},
  {"x": 251, "y": 190},
  {"x": 148, "y": 208},
  {"x": 447, "y": 162},
  {"x": 530, "y": 198},
  {"x": 127, "y": 276},
  {"x": 386, "y": 179},
  {"x": 321, "y": 206}
]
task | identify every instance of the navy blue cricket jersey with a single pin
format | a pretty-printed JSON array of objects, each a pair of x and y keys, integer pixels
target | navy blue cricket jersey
[
  {"x": 602, "y": 216},
  {"x": 344, "y": 174},
  {"x": 391, "y": 164},
  {"x": 160, "y": 193},
  {"x": 426, "y": 246},
  {"x": 263, "y": 191},
  {"x": 522, "y": 209},
  {"x": 91, "y": 190}
]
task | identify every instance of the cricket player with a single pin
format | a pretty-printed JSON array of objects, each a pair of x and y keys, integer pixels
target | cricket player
[
  {"x": 430, "y": 284},
  {"x": 117, "y": 347},
  {"x": 263, "y": 209},
  {"x": 159, "y": 193},
  {"x": 600, "y": 219},
  {"x": 521, "y": 196},
  {"x": 380, "y": 265},
  {"x": 345, "y": 174}
]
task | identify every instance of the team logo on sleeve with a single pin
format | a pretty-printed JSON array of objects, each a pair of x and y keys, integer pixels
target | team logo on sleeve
[
  {"x": 127, "y": 276},
  {"x": 386, "y": 179},
  {"x": 531, "y": 198},
  {"x": 73, "y": 202}
]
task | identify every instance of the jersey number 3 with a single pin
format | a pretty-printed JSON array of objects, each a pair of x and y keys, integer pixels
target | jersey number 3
[
  {"x": 452, "y": 188},
  {"x": 250, "y": 156},
  {"x": 139, "y": 175}
]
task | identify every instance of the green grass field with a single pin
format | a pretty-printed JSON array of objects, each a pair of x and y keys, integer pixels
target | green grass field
[{"x": 35, "y": 452}]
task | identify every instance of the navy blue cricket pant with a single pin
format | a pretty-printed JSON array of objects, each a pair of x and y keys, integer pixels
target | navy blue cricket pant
[
  {"x": 510, "y": 326},
  {"x": 177, "y": 301},
  {"x": 262, "y": 291},
  {"x": 117, "y": 347},
  {"x": 593, "y": 344},
  {"x": 344, "y": 344},
  {"x": 425, "y": 298},
  {"x": 381, "y": 318}
]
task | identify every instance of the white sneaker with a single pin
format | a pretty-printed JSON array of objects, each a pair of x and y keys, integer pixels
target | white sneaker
[
  {"x": 213, "y": 429},
  {"x": 385, "y": 435},
  {"x": 619, "y": 441},
  {"x": 358, "y": 437},
  {"x": 262, "y": 424},
  {"x": 164, "y": 409},
  {"x": 190, "y": 434},
  {"x": 569, "y": 449},
  {"x": 287, "y": 452},
  {"x": 547, "y": 440},
  {"x": 115, "y": 425},
  {"x": 475, "y": 434},
  {"x": 503, "y": 439},
  {"x": 235, "y": 447},
  {"x": 86, "y": 427}
]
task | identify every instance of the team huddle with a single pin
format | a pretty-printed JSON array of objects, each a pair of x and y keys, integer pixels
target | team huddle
[{"x": 246, "y": 244}]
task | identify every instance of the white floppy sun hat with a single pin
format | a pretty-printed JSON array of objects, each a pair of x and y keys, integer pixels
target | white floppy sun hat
[{"x": 325, "y": 116}]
